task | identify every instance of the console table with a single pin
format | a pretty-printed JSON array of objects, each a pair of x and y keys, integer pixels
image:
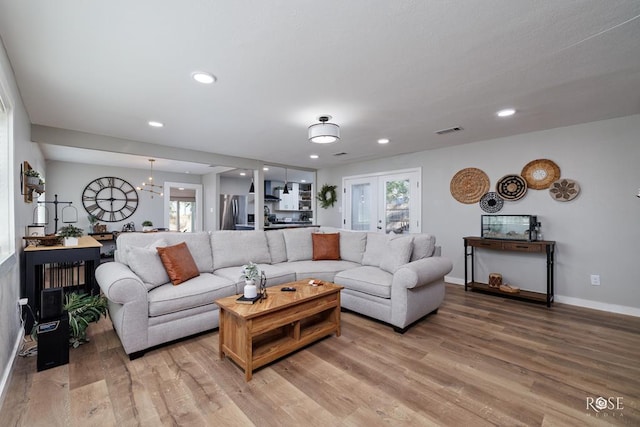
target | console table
[
  {"x": 539, "y": 247},
  {"x": 46, "y": 266}
]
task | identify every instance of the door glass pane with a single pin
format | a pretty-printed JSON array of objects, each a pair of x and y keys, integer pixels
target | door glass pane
[
  {"x": 397, "y": 200},
  {"x": 361, "y": 206}
]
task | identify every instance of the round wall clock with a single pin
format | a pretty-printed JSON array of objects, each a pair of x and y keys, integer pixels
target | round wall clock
[{"x": 110, "y": 199}]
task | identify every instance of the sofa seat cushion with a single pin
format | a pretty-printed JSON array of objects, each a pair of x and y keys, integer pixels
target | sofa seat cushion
[
  {"x": 366, "y": 279},
  {"x": 201, "y": 290},
  {"x": 276, "y": 275},
  {"x": 321, "y": 270}
]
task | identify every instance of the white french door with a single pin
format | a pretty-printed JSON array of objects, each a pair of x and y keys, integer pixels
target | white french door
[{"x": 385, "y": 203}]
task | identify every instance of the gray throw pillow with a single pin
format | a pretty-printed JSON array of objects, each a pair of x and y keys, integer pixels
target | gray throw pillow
[
  {"x": 397, "y": 254},
  {"x": 146, "y": 264}
]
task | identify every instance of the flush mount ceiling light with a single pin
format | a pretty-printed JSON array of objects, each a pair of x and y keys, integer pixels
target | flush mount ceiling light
[
  {"x": 324, "y": 132},
  {"x": 203, "y": 77},
  {"x": 506, "y": 112}
]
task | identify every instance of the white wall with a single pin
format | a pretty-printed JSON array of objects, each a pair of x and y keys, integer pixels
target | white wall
[
  {"x": 68, "y": 180},
  {"x": 597, "y": 233},
  {"x": 24, "y": 149}
]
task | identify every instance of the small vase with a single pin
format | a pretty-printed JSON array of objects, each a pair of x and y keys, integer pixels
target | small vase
[{"x": 250, "y": 289}]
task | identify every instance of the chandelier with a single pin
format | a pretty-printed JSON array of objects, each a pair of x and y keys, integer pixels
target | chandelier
[{"x": 150, "y": 186}]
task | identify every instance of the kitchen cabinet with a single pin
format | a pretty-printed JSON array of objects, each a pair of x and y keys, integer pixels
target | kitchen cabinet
[{"x": 289, "y": 202}]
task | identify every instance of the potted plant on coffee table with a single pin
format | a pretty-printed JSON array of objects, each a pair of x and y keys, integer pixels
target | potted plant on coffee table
[{"x": 70, "y": 234}]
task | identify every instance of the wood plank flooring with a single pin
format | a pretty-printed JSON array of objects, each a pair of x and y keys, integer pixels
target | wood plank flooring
[{"x": 482, "y": 360}]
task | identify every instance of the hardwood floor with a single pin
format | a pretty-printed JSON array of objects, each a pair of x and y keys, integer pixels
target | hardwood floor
[{"x": 481, "y": 360}]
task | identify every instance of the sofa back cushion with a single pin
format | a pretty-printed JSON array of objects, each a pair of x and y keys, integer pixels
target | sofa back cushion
[
  {"x": 326, "y": 246},
  {"x": 298, "y": 243},
  {"x": 352, "y": 243},
  {"x": 423, "y": 246},
  {"x": 375, "y": 249},
  {"x": 198, "y": 243},
  {"x": 236, "y": 248},
  {"x": 277, "y": 248}
]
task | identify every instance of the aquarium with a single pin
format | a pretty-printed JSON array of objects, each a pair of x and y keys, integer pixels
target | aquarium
[{"x": 509, "y": 227}]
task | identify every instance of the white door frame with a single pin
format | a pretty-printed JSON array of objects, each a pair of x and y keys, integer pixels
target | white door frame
[
  {"x": 378, "y": 177},
  {"x": 199, "y": 202}
]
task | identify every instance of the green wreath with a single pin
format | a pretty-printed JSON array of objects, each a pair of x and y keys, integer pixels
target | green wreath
[{"x": 327, "y": 195}]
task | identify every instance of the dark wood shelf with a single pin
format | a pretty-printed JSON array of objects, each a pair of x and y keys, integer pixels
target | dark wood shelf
[{"x": 523, "y": 294}]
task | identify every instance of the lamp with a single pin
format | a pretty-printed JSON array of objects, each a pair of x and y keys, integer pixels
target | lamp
[
  {"x": 324, "y": 132},
  {"x": 286, "y": 183},
  {"x": 150, "y": 186}
]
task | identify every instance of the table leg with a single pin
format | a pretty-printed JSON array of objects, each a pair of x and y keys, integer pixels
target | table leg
[
  {"x": 221, "y": 333},
  {"x": 248, "y": 368}
]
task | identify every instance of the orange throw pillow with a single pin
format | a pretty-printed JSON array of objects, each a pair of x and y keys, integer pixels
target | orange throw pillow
[
  {"x": 178, "y": 262},
  {"x": 326, "y": 246}
]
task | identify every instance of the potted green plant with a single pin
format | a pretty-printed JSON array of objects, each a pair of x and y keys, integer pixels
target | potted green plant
[
  {"x": 70, "y": 234},
  {"x": 147, "y": 225},
  {"x": 40, "y": 187},
  {"x": 33, "y": 177},
  {"x": 83, "y": 309}
]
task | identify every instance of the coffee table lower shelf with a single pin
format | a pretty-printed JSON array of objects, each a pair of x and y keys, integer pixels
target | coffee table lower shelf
[
  {"x": 521, "y": 295},
  {"x": 256, "y": 339}
]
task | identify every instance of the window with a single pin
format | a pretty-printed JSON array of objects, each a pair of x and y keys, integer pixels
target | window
[{"x": 7, "y": 239}]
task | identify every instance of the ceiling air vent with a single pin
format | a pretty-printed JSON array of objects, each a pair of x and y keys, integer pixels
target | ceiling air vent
[
  {"x": 448, "y": 130},
  {"x": 340, "y": 154}
]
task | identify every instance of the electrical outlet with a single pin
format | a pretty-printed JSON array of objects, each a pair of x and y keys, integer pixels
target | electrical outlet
[{"x": 595, "y": 279}]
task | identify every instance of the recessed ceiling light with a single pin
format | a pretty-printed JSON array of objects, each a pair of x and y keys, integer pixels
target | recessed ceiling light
[
  {"x": 506, "y": 112},
  {"x": 203, "y": 77},
  {"x": 155, "y": 124},
  {"x": 303, "y": 180},
  {"x": 243, "y": 173},
  {"x": 383, "y": 141},
  {"x": 314, "y": 156},
  {"x": 265, "y": 168}
]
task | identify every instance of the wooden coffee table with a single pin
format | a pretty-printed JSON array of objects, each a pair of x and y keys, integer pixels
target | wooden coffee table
[{"x": 253, "y": 335}]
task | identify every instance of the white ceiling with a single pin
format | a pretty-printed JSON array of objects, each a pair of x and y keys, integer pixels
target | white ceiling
[{"x": 394, "y": 69}]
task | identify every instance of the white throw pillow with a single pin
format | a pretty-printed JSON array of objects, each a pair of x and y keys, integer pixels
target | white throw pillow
[
  {"x": 146, "y": 263},
  {"x": 397, "y": 254}
]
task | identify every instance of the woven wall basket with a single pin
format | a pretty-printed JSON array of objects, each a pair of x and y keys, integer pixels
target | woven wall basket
[
  {"x": 469, "y": 185},
  {"x": 540, "y": 173}
]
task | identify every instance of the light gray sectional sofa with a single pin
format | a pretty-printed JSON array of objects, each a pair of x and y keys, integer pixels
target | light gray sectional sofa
[{"x": 395, "y": 279}]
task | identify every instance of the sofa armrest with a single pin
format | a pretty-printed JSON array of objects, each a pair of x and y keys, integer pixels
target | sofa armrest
[
  {"x": 422, "y": 272},
  {"x": 119, "y": 284}
]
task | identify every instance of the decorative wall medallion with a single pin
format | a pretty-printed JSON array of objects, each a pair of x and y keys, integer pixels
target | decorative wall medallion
[
  {"x": 511, "y": 187},
  {"x": 110, "y": 199},
  {"x": 491, "y": 202},
  {"x": 469, "y": 185},
  {"x": 540, "y": 173},
  {"x": 564, "y": 190}
]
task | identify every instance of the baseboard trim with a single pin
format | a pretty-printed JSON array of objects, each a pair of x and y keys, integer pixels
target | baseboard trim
[
  {"x": 596, "y": 305},
  {"x": 6, "y": 375}
]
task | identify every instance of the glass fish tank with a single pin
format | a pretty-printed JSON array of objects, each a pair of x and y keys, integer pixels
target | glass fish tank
[{"x": 509, "y": 227}]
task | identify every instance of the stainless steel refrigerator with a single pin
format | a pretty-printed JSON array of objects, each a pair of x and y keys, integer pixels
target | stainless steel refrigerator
[{"x": 233, "y": 210}]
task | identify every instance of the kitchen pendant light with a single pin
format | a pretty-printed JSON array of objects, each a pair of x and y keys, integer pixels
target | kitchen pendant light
[
  {"x": 252, "y": 189},
  {"x": 324, "y": 132},
  {"x": 286, "y": 183}
]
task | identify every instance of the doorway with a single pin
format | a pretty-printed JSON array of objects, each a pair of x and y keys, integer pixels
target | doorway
[{"x": 182, "y": 206}]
